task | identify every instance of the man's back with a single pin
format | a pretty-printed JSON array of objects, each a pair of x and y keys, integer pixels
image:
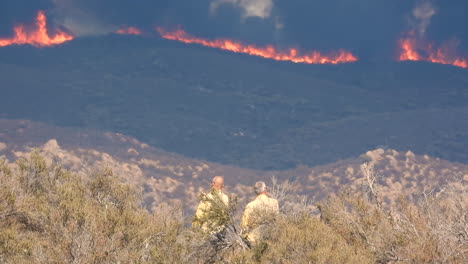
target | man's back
[
  {"x": 258, "y": 212},
  {"x": 212, "y": 211},
  {"x": 262, "y": 201}
]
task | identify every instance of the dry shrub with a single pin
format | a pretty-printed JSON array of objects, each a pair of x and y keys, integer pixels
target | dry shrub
[
  {"x": 432, "y": 228},
  {"x": 305, "y": 240},
  {"x": 49, "y": 215},
  {"x": 298, "y": 236},
  {"x": 221, "y": 239}
]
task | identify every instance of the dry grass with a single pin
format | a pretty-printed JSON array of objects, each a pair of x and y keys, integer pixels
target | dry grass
[
  {"x": 431, "y": 229},
  {"x": 49, "y": 215}
]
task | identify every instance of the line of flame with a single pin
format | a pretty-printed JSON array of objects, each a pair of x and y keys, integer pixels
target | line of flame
[
  {"x": 268, "y": 52},
  {"x": 129, "y": 31},
  {"x": 411, "y": 48},
  {"x": 410, "y": 51},
  {"x": 39, "y": 38}
]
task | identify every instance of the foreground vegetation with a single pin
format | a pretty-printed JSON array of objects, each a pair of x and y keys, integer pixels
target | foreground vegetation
[{"x": 50, "y": 215}]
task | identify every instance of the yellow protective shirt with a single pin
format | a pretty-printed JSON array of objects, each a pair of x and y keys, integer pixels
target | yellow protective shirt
[
  {"x": 212, "y": 211},
  {"x": 257, "y": 212}
]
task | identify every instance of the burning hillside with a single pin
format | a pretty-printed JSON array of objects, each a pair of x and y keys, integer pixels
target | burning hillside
[
  {"x": 413, "y": 49},
  {"x": 129, "y": 31},
  {"x": 39, "y": 37},
  {"x": 268, "y": 52},
  {"x": 414, "y": 46}
]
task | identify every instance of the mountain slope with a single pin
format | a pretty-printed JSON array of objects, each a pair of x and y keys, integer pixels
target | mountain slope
[
  {"x": 171, "y": 178},
  {"x": 235, "y": 109}
]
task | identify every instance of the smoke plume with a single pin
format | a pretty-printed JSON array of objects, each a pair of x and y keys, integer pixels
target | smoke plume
[
  {"x": 79, "y": 20},
  {"x": 422, "y": 14},
  {"x": 415, "y": 46},
  {"x": 250, "y": 8}
]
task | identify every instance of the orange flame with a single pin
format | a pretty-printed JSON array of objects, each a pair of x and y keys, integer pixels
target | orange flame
[
  {"x": 129, "y": 31},
  {"x": 268, "y": 52},
  {"x": 414, "y": 50},
  {"x": 39, "y": 38}
]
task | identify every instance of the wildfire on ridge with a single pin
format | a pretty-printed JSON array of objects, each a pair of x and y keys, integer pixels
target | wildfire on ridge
[
  {"x": 39, "y": 37},
  {"x": 129, "y": 31},
  {"x": 268, "y": 52},
  {"x": 413, "y": 49}
]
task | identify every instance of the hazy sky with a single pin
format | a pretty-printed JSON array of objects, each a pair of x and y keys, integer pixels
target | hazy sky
[{"x": 368, "y": 27}]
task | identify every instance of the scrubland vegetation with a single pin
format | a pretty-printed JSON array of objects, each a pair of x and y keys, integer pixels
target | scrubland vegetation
[{"x": 50, "y": 215}]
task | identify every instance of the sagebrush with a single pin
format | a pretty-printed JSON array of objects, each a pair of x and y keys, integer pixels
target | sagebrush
[{"x": 50, "y": 215}]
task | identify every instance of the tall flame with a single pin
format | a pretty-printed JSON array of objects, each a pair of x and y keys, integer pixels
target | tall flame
[
  {"x": 129, "y": 31},
  {"x": 268, "y": 52},
  {"x": 413, "y": 49},
  {"x": 39, "y": 37}
]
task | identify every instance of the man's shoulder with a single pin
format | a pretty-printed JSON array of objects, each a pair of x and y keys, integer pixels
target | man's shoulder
[
  {"x": 267, "y": 198},
  {"x": 262, "y": 200},
  {"x": 273, "y": 200},
  {"x": 222, "y": 197},
  {"x": 213, "y": 194},
  {"x": 252, "y": 204}
]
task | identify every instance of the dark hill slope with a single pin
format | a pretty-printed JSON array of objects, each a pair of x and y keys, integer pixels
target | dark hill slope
[{"x": 236, "y": 109}]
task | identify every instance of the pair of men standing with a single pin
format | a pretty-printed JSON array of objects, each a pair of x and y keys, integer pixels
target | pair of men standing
[{"x": 213, "y": 211}]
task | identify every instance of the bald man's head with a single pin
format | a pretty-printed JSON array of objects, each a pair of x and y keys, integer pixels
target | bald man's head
[{"x": 217, "y": 183}]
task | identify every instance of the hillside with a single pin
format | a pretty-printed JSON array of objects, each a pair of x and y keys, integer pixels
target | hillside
[
  {"x": 68, "y": 204},
  {"x": 235, "y": 109},
  {"x": 169, "y": 178}
]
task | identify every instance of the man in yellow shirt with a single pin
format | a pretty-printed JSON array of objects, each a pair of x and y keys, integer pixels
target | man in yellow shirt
[
  {"x": 258, "y": 213},
  {"x": 212, "y": 214}
]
